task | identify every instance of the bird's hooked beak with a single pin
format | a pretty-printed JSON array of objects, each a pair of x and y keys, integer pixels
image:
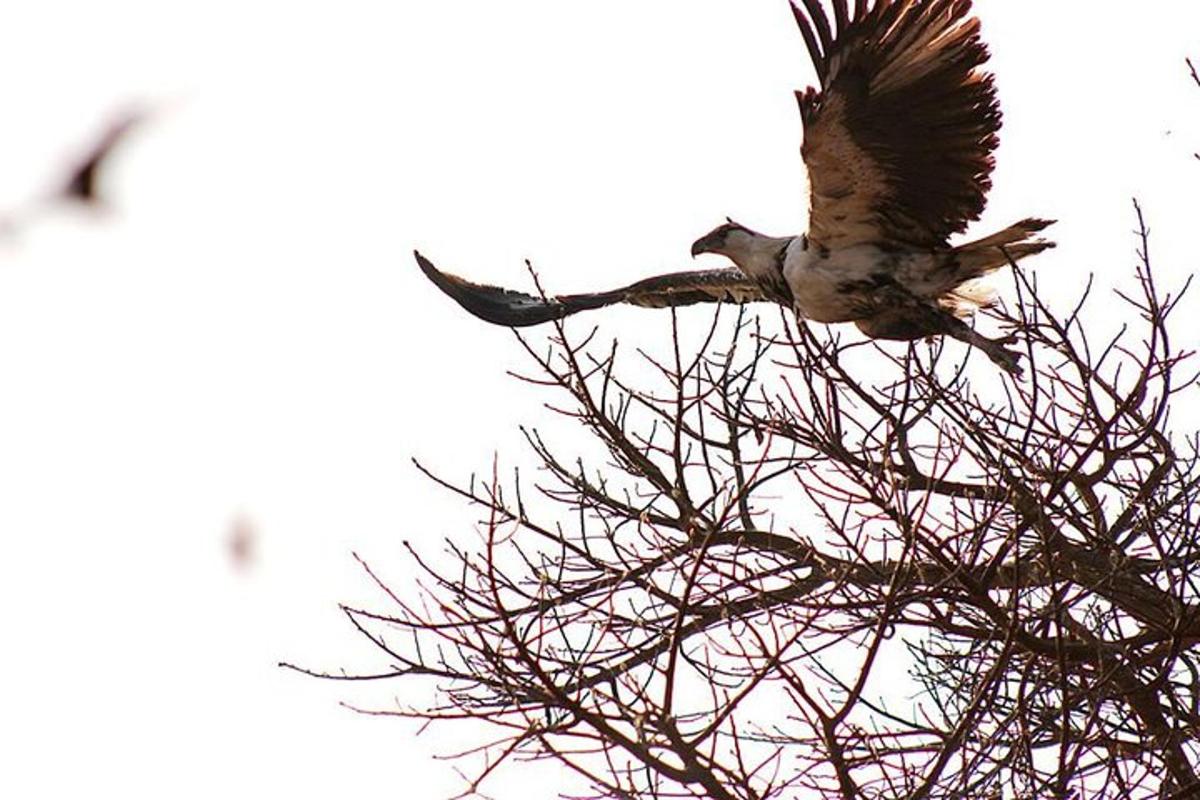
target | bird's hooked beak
[{"x": 709, "y": 243}]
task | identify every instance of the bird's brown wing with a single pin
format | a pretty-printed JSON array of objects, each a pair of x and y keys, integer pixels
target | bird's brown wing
[
  {"x": 898, "y": 140},
  {"x": 517, "y": 309}
]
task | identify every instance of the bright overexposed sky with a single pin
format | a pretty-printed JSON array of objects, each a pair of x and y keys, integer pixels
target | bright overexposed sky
[{"x": 243, "y": 333}]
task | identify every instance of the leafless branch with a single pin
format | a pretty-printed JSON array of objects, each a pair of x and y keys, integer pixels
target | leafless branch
[{"x": 800, "y": 566}]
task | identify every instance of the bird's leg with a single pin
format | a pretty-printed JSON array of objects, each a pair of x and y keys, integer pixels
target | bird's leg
[
  {"x": 994, "y": 348},
  {"x": 898, "y": 314}
]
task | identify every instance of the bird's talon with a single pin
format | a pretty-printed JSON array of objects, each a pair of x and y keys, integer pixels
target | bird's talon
[{"x": 1009, "y": 360}]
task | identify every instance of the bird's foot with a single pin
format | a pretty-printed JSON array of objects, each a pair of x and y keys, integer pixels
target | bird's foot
[
  {"x": 1008, "y": 360},
  {"x": 995, "y": 349}
]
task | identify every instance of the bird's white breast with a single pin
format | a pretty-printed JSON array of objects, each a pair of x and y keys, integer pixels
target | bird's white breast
[
  {"x": 818, "y": 279},
  {"x": 832, "y": 286}
]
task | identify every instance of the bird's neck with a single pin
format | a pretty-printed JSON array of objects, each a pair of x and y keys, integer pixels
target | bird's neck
[{"x": 761, "y": 257}]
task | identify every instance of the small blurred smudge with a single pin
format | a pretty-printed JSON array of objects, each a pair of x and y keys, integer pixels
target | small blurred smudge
[{"x": 242, "y": 543}]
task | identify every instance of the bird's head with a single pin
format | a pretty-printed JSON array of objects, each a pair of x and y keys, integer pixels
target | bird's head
[{"x": 730, "y": 240}]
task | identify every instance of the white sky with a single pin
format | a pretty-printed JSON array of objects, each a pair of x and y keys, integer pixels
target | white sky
[{"x": 246, "y": 334}]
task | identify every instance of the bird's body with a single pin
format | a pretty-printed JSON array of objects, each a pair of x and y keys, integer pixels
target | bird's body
[
  {"x": 836, "y": 285},
  {"x": 898, "y": 142},
  {"x": 849, "y": 283},
  {"x": 824, "y": 285}
]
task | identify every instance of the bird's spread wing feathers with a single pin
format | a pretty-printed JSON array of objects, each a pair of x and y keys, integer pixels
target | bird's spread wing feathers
[
  {"x": 517, "y": 309},
  {"x": 898, "y": 140}
]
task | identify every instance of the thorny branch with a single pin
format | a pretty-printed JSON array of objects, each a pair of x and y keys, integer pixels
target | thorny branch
[{"x": 802, "y": 567}]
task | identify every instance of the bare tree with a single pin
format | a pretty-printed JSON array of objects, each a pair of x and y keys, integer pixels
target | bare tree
[{"x": 806, "y": 568}]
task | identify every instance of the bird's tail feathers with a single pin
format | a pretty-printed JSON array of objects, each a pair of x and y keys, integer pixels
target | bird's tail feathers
[
  {"x": 965, "y": 299},
  {"x": 976, "y": 259},
  {"x": 980, "y": 257}
]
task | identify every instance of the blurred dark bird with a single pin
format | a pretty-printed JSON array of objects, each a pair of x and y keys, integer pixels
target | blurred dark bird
[
  {"x": 898, "y": 141},
  {"x": 83, "y": 184}
]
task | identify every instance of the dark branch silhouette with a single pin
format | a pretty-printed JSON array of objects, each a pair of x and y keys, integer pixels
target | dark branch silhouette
[
  {"x": 806, "y": 567},
  {"x": 1196, "y": 80}
]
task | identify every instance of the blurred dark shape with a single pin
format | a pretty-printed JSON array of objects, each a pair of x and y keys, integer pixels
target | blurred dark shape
[
  {"x": 242, "y": 543},
  {"x": 83, "y": 184}
]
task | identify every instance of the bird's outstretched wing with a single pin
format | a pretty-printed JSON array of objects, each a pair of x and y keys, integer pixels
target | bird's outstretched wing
[
  {"x": 517, "y": 309},
  {"x": 898, "y": 140}
]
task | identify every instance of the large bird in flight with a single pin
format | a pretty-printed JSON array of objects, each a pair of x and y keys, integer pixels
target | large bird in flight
[{"x": 898, "y": 143}]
